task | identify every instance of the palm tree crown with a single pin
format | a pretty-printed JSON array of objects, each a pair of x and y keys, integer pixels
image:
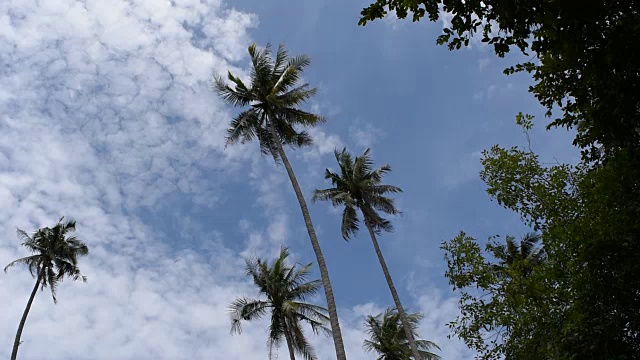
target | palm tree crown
[
  {"x": 285, "y": 288},
  {"x": 55, "y": 254},
  {"x": 388, "y": 339},
  {"x": 359, "y": 186},
  {"x": 273, "y": 95},
  {"x": 528, "y": 250}
]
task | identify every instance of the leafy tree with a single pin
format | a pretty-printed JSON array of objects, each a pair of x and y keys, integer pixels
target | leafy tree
[
  {"x": 359, "y": 187},
  {"x": 587, "y": 65},
  {"x": 388, "y": 338},
  {"x": 55, "y": 256},
  {"x": 501, "y": 299},
  {"x": 581, "y": 301},
  {"x": 286, "y": 289},
  {"x": 273, "y": 97}
]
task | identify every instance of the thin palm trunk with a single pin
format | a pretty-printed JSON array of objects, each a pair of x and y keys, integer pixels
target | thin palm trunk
[
  {"x": 394, "y": 294},
  {"x": 16, "y": 343},
  {"x": 324, "y": 273}
]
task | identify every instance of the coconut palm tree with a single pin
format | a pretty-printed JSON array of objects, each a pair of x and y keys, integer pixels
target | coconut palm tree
[
  {"x": 286, "y": 288},
  {"x": 359, "y": 186},
  {"x": 272, "y": 116},
  {"x": 388, "y": 339},
  {"x": 54, "y": 256}
]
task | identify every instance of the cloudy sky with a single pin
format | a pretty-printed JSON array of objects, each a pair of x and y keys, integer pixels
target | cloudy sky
[{"x": 106, "y": 116}]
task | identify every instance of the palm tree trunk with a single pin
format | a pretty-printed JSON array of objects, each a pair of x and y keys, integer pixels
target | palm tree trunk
[
  {"x": 287, "y": 337},
  {"x": 394, "y": 294},
  {"x": 324, "y": 273},
  {"x": 16, "y": 343}
]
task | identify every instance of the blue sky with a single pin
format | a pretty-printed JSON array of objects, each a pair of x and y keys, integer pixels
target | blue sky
[{"x": 106, "y": 116}]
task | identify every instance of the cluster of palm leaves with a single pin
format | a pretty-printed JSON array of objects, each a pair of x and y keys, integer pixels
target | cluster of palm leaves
[{"x": 271, "y": 115}]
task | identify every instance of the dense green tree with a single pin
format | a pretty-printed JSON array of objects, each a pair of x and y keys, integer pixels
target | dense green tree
[
  {"x": 54, "y": 257},
  {"x": 581, "y": 301},
  {"x": 588, "y": 65},
  {"x": 273, "y": 97},
  {"x": 286, "y": 289},
  {"x": 502, "y": 312},
  {"x": 388, "y": 338},
  {"x": 359, "y": 187}
]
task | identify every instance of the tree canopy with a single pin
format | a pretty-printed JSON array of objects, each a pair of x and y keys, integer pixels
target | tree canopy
[{"x": 579, "y": 300}]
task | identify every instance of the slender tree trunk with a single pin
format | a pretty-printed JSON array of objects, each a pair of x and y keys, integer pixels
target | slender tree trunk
[
  {"x": 289, "y": 340},
  {"x": 324, "y": 273},
  {"x": 394, "y": 294},
  {"x": 16, "y": 343}
]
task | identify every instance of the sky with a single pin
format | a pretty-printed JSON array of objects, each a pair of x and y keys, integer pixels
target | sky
[{"x": 107, "y": 117}]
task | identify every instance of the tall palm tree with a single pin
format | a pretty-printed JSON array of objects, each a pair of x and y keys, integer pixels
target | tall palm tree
[
  {"x": 359, "y": 186},
  {"x": 55, "y": 255},
  {"x": 388, "y": 339},
  {"x": 286, "y": 289},
  {"x": 273, "y": 98}
]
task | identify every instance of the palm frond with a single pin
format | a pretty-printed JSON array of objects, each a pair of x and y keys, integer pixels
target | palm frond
[
  {"x": 305, "y": 290},
  {"x": 363, "y": 165},
  {"x": 67, "y": 227},
  {"x": 383, "y": 189},
  {"x": 294, "y": 97},
  {"x": 282, "y": 56},
  {"x": 377, "y": 174},
  {"x": 243, "y": 127},
  {"x": 23, "y": 236},
  {"x": 350, "y": 222},
  {"x": 324, "y": 194},
  {"x": 528, "y": 243},
  {"x": 240, "y": 96},
  {"x": 382, "y": 203},
  {"x": 28, "y": 260},
  {"x": 246, "y": 309},
  {"x": 276, "y": 331},
  {"x": 291, "y": 74},
  {"x": 388, "y": 339},
  {"x": 375, "y": 221},
  {"x": 295, "y": 117},
  {"x": 51, "y": 280},
  {"x": 260, "y": 73}
]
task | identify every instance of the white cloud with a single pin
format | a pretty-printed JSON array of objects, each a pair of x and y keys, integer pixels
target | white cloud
[
  {"x": 483, "y": 63},
  {"x": 364, "y": 135},
  {"x": 463, "y": 169},
  {"x": 323, "y": 144},
  {"x": 438, "y": 311}
]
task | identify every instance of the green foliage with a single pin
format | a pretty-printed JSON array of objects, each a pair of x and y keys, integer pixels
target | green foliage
[
  {"x": 359, "y": 186},
  {"x": 55, "y": 254},
  {"x": 286, "y": 289},
  {"x": 577, "y": 299},
  {"x": 388, "y": 339},
  {"x": 272, "y": 97},
  {"x": 503, "y": 296},
  {"x": 587, "y": 65}
]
